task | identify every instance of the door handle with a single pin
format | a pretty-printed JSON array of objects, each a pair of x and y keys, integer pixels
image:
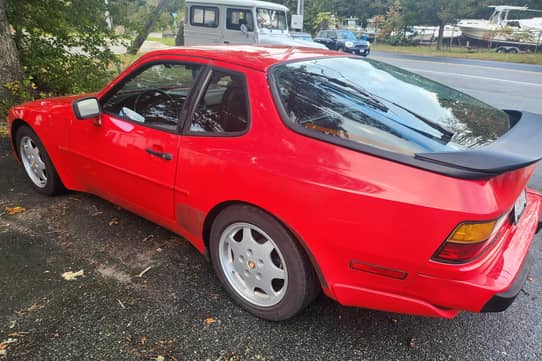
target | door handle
[
  {"x": 165, "y": 156},
  {"x": 226, "y": 42}
]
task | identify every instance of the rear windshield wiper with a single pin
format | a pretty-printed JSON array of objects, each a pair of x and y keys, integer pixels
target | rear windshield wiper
[
  {"x": 447, "y": 135},
  {"x": 372, "y": 100}
]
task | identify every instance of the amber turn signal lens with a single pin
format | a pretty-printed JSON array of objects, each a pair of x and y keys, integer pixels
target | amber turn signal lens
[
  {"x": 472, "y": 232},
  {"x": 468, "y": 241}
]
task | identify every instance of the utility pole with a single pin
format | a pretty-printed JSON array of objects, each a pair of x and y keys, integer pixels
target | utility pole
[{"x": 300, "y": 10}]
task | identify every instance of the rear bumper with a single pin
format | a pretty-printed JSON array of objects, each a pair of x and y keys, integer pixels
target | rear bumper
[
  {"x": 489, "y": 284},
  {"x": 501, "y": 301}
]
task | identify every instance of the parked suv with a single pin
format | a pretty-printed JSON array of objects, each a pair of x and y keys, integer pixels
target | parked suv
[{"x": 343, "y": 40}]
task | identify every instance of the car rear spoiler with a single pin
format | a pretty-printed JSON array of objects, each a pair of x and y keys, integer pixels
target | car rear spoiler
[{"x": 517, "y": 148}]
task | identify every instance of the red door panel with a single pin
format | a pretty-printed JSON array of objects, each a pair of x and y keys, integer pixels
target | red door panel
[{"x": 130, "y": 164}]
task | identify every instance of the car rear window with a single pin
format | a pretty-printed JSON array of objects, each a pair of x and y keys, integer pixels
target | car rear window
[{"x": 372, "y": 103}]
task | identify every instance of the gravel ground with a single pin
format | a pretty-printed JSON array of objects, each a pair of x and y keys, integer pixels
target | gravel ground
[{"x": 177, "y": 309}]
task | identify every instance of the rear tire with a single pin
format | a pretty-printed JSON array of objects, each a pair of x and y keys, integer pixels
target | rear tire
[
  {"x": 260, "y": 264},
  {"x": 36, "y": 163}
]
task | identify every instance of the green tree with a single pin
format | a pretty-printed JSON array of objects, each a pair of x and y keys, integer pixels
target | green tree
[{"x": 63, "y": 45}]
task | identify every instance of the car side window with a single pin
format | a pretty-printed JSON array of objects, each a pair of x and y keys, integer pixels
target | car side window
[
  {"x": 155, "y": 95},
  {"x": 223, "y": 108},
  {"x": 236, "y": 18},
  {"x": 206, "y": 16}
]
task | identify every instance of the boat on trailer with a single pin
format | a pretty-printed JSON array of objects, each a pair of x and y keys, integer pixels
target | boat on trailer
[{"x": 504, "y": 28}]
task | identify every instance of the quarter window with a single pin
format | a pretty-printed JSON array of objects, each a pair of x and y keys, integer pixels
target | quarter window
[
  {"x": 236, "y": 18},
  {"x": 223, "y": 107},
  {"x": 206, "y": 16},
  {"x": 155, "y": 95}
]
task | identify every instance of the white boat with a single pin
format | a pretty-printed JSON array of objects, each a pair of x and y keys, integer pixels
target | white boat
[
  {"x": 430, "y": 33},
  {"x": 502, "y": 28}
]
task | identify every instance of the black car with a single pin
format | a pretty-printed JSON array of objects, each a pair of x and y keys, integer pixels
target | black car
[{"x": 343, "y": 40}]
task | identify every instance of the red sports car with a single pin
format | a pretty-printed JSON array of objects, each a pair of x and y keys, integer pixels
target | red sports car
[{"x": 300, "y": 170}]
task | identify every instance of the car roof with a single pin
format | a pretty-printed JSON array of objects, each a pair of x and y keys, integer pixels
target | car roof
[
  {"x": 257, "y": 57},
  {"x": 246, "y": 3}
]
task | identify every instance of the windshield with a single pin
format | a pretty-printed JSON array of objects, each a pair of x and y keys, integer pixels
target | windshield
[
  {"x": 271, "y": 19},
  {"x": 346, "y": 35},
  {"x": 376, "y": 104}
]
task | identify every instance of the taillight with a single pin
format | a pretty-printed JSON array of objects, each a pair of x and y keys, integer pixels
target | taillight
[{"x": 468, "y": 241}]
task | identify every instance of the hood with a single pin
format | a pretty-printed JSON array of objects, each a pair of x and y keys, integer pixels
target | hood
[
  {"x": 56, "y": 101},
  {"x": 358, "y": 42},
  {"x": 286, "y": 40}
]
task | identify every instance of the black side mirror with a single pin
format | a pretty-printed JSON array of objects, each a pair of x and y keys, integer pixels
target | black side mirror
[{"x": 87, "y": 108}]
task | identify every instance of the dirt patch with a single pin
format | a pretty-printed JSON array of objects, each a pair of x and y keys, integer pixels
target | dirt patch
[{"x": 112, "y": 272}]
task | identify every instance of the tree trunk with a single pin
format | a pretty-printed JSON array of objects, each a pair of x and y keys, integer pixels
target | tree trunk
[
  {"x": 440, "y": 35},
  {"x": 10, "y": 66},
  {"x": 179, "y": 39},
  {"x": 148, "y": 27}
]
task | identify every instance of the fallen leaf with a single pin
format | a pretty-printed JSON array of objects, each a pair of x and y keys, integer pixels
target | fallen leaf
[
  {"x": 14, "y": 210},
  {"x": 113, "y": 221},
  {"x": 530, "y": 279},
  {"x": 12, "y": 324},
  {"x": 72, "y": 276},
  {"x": 3, "y": 131},
  {"x": 143, "y": 340},
  {"x": 96, "y": 214},
  {"x": 5, "y": 344},
  {"x": 412, "y": 342},
  {"x": 159, "y": 358},
  {"x": 210, "y": 320}
]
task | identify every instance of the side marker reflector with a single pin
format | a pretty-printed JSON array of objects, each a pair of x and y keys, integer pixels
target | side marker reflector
[{"x": 378, "y": 270}]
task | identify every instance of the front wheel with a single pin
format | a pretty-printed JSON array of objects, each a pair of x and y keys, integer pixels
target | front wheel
[
  {"x": 260, "y": 264},
  {"x": 36, "y": 162}
]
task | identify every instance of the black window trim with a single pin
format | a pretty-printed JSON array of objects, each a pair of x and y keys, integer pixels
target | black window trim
[
  {"x": 249, "y": 10},
  {"x": 140, "y": 69},
  {"x": 206, "y": 78},
  {"x": 204, "y": 7},
  {"x": 409, "y": 160}
]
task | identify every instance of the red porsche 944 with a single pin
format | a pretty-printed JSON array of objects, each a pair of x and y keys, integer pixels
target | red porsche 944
[{"x": 301, "y": 170}]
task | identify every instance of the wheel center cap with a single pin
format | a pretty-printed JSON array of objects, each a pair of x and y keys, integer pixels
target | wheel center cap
[{"x": 251, "y": 264}]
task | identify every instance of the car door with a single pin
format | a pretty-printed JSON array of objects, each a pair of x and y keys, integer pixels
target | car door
[
  {"x": 239, "y": 26},
  {"x": 130, "y": 157}
]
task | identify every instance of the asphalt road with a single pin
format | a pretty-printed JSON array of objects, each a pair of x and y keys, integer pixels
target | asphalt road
[{"x": 177, "y": 309}]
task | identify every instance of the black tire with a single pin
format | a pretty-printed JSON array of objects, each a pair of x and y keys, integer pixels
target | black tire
[
  {"x": 53, "y": 184},
  {"x": 302, "y": 285}
]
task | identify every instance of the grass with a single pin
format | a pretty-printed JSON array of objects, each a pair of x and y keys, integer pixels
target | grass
[
  {"x": 165, "y": 41},
  {"x": 482, "y": 54}
]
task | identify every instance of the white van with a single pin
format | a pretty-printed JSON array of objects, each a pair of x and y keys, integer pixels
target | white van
[{"x": 238, "y": 22}]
